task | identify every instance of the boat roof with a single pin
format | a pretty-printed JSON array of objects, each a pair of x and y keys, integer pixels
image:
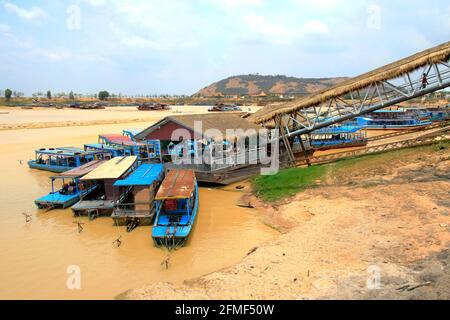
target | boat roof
[
  {"x": 102, "y": 146},
  {"x": 338, "y": 130},
  {"x": 119, "y": 139},
  {"x": 66, "y": 151},
  {"x": 82, "y": 170},
  {"x": 145, "y": 175},
  {"x": 390, "y": 111},
  {"x": 178, "y": 184},
  {"x": 112, "y": 169}
]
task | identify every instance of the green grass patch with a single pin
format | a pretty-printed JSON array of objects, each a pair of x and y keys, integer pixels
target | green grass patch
[
  {"x": 287, "y": 182},
  {"x": 291, "y": 181}
]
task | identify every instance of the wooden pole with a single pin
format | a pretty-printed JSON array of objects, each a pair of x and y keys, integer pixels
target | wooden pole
[
  {"x": 305, "y": 153},
  {"x": 286, "y": 142}
]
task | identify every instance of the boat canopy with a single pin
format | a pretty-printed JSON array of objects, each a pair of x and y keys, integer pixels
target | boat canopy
[
  {"x": 112, "y": 169},
  {"x": 119, "y": 139},
  {"x": 145, "y": 175},
  {"x": 66, "y": 151},
  {"x": 82, "y": 170},
  {"x": 178, "y": 184}
]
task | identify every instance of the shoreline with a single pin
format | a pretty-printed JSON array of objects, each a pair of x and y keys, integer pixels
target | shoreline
[
  {"x": 395, "y": 220},
  {"x": 58, "y": 124}
]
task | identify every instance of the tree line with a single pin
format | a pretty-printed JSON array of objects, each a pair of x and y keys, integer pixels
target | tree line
[{"x": 102, "y": 95}]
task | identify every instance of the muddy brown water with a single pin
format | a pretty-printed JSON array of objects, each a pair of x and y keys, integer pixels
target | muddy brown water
[{"x": 35, "y": 256}]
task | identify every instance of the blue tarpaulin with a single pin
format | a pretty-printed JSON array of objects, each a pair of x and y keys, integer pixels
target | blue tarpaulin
[{"x": 145, "y": 175}]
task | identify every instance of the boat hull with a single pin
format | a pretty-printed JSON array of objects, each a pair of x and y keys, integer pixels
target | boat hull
[
  {"x": 339, "y": 146},
  {"x": 56, "y": 200},
  {"x": 397, "y": 127},
  {"x": 57, "y": 169},
  {"x": 175, "y": 236}
]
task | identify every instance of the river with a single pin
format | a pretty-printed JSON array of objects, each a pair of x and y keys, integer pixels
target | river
[{"x": 36, "y": 255}]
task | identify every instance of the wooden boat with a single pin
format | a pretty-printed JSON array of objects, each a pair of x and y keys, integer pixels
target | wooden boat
[
  {"x": 391, "y": 120},
  {"x": 102, "y": 200},
  {"x": 338, "y": 136},
  {"x": 176, "y": 208},
  {"x": 224, "y": 108},
  {"x": 136, "y": 204},
  {"x": 71, "y": 192},
  {"x": 65, "y": 158},
  {"x": 153, "y": 107}
]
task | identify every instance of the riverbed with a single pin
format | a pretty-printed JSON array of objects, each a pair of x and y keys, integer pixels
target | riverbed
[{"x": 36, "y": 255}]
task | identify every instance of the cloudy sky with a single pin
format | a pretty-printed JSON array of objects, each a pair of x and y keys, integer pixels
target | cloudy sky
[{"x": 180, "y": 46}]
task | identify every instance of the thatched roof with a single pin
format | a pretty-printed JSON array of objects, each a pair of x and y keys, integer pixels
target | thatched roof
[
  {"x": 393, "y": 70},
  {"x": 219, "y": 121}
]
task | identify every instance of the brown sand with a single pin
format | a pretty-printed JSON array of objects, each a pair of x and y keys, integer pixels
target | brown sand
[
  {"x": 391, "y": 214},
  {"x": 17, "y": 118}
]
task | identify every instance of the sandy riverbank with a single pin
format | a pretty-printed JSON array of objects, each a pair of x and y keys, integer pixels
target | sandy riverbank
[
  {"x": 12, "y": 118},
  {"x": 389, "y": 213}
]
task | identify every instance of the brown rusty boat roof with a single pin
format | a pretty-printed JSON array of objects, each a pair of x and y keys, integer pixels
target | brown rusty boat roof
[
  {"x": 178, "y": 184},
  {"x": 82, "y": 170}
]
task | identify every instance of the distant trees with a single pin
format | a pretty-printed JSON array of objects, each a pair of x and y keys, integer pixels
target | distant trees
[
  {"x": 49, "y": 94},
  {"x": 103, "y": 95},
  {"x": 8, "y": 94},
  {"x": 71, "y": 96}
]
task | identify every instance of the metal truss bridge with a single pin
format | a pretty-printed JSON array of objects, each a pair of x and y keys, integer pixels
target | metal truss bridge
[{"x": 406, "y": 79}]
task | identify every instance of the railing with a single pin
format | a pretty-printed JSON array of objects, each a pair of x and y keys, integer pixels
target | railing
[{"x": 375, "y": 96}]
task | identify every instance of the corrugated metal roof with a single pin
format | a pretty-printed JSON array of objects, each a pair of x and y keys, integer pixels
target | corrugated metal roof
[
  {"x": 82, "y": 170},
  {"x": 145, "y": 175},
  {"x": 113, "y": 169},
  {"x": 216, "y": 126},
  {"x": 178, "y": 184},
  {"x": 119, "y": 139},
  {"x": 65, "y": 151}
]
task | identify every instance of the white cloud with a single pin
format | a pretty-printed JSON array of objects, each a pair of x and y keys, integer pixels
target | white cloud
[
  {"x": 4, "y": 29},
  {"x": 319, "y": 4},
  {"x": 34, "y": 13},
  {"x": 235, "y": 4},
  {"x": 314, "y": 27},
  {"x": 280, "y": 34},
  {"x": 138, "y": 14},
  {"x": 139, "y": 42},
  {"x": 53, "y": 54},
  {"x": 95, "y": 3}
]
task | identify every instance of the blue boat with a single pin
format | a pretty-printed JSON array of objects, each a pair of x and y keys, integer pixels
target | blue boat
[
  {"x": 136, "y": 204},
  {"x": 126, "y": 145},
  {"x": 63, "y": 159},
  {"x": 392, "y": 120},
  {"x": 71, "y": 189},
  {"x": 176, "y": 209},
  {"x": 438, "y": 114},
  {"x": 338, "y": 136}
]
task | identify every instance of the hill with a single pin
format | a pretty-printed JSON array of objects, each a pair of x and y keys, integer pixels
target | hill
[{"x": 255, "y": 84}]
